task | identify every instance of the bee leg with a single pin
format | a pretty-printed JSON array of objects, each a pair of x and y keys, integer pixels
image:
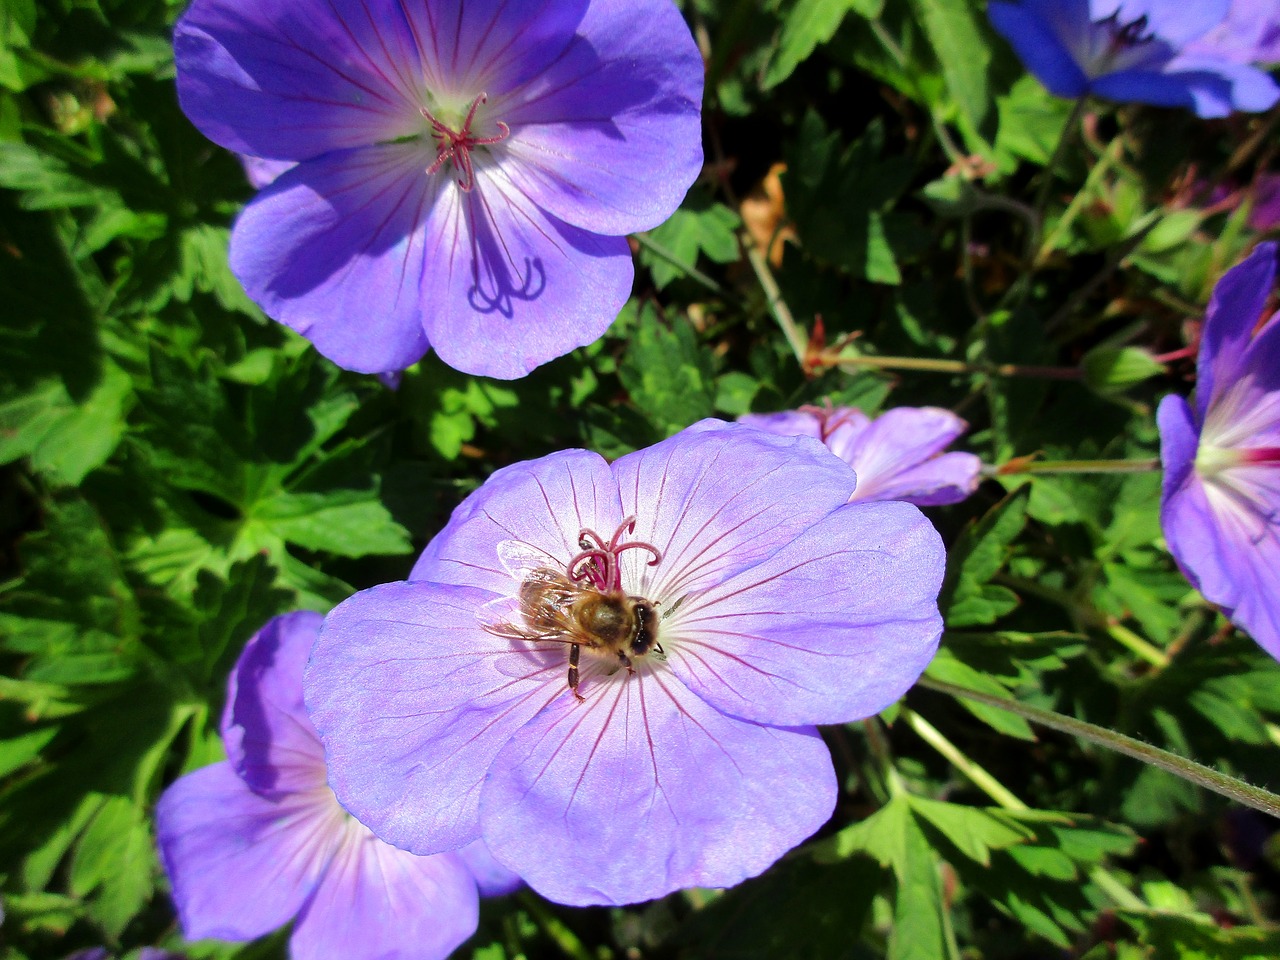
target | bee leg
[
  {"x": 575, "y": 652},
  {"x": 626, "y": 662}
]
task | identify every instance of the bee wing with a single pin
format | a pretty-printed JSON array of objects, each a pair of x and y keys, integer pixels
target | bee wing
[
  {"x": 539, "y": 611},
  {"x": 521, "y": 559}
]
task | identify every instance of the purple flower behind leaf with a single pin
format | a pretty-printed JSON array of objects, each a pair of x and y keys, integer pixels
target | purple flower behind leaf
[
  {"x": 1220, "y": 507},
  {"x": 258, "y": 840},
  {"x": 465, "y": 174},
  {"x": 611, "y": 672},
  {"x": 896, "y": 456},
  {"x": 1169, "y": 53},
  {"x": 1265, "y": 214}
]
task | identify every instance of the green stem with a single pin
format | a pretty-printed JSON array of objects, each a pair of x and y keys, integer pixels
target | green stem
[
  {"x": 1197, "y": 773},
  {"x": 948, "y": 366},
  {"x": 1018, "y": 466},
  {"x": 1137, "y": 645},
  {"x": 976, "y": 773},
  {"x": 773, "y": 298}
]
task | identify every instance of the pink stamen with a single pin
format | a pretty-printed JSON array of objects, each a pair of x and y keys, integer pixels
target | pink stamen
[
  {"x": 598, "y": 562},
  {"x": 1260, "y": 455},
  {"x": 455, "y": 146}
]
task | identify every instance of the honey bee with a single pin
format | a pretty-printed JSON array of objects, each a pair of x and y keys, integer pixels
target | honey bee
[{"x": 608, "y": 624}]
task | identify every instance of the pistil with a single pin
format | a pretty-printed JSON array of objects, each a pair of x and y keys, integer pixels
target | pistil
[{"x": 455, "y": 146}]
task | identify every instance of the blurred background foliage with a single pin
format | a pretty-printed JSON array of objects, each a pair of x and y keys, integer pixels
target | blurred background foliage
[{"x": 875, "y": 226}]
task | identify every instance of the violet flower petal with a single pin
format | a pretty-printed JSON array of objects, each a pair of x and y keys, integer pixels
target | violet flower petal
[
  {"x": 1222, "y": 546},
  {"x": 511, "y": 286},
  {"x": 489, "y": 46},
  {"x": 492, "y": 878},
  {"x": 706, "y": 528},
  {"x": 608, "y": 139},
  {"x": 412, "y": 702},
  {"x": 240, "y": 864},
  {"x": 892, "y": 457},
  {"x": 379, "y": 903},
  {"x": 834, "y": 627},
  {"x": 269, "y": 739},
  {"x": 1234, "y": 308},
  {"x": 645, "y": 789},
  {"x": 1040, "y": 46},
  {"x": 334, "y": 248},
  {"x": 576, "y": 490},
  {"x": 293, "y": 79}
]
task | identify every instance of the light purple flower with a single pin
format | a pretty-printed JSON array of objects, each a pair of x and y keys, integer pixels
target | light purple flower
[
  {"x": 1220, "y": 506},
  {"x": 465, "y": 173},
  {"x": 1249, "y": 34},
  {"x": 896, "y": 456},
  {"x": 747, "y": 599},
  {"x": 1169, "y": 53},
  {"x": 259, "y": 839}
]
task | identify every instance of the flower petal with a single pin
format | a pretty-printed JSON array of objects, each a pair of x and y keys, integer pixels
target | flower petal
[
  {"x": 292, "y": 79},
  {"x": 610, "y": 137},
  {"x": 832, "y": 628},
  {"x": 1039, "y": 46},
  {"x": 559, "y": 495},
  {"x": 645, "y": 789},
  {"x": 335, "y": 249},
  {"x": 891, "y": 457},
  {"x": 1234, "y": 310},
  {"x": 379, "y": 903},
  {"x": 413, "y": 699},
  {"x": 946, "y": 478},
  {"x": 510, "y": 286},
  {"x": 269, "y": 738},
  {"x": 240, "y": 864},
  {"x": 718, "y": 498},
  {"x": 468, "y": 47},
  {"x": 492, "y": 878}
]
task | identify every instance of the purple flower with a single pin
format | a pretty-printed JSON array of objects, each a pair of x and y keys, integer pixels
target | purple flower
[
  {"x": 712, "y": 596},
  {"x": 465, "y": 174},
  {"x": 1265, "y": 213},
  {"x": 1161, "y": 52},
  {"x": 1249, "y": 34},
  {"x": 897, "y": 456},
  {"x": 1220, "y": 507},
  {"x": 259, "y": 839}
]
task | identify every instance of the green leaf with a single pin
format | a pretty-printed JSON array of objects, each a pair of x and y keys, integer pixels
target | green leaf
[
  {"x": 974, "y": 831},
  {"x": 981, "y": 551},
  {"x": 1111, "y": 370},
  {"x": 699, "y": 226},
  {"x": 349, "y": 523},
  {"x": 807, "y": 24},
  {"x": 1194, "y": 938},
  {"x": 947, "y": 668},
  {"x": 840, "y": 200},
  {"x": 669, "y": 375},
  {"x": 963, "y": 51},
  {"x": 66, "y": 439}
]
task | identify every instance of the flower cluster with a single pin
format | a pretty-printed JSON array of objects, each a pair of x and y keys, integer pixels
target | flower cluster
[
  {"x": 897, "y": 456},
  {"x": 260, "y": 839},
  {"x": 1220, "y": 508},
  {"x": 611, "y": 672},
  {"x": 1168, "y": 53},
  {"x": 456, "y": 176}
]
